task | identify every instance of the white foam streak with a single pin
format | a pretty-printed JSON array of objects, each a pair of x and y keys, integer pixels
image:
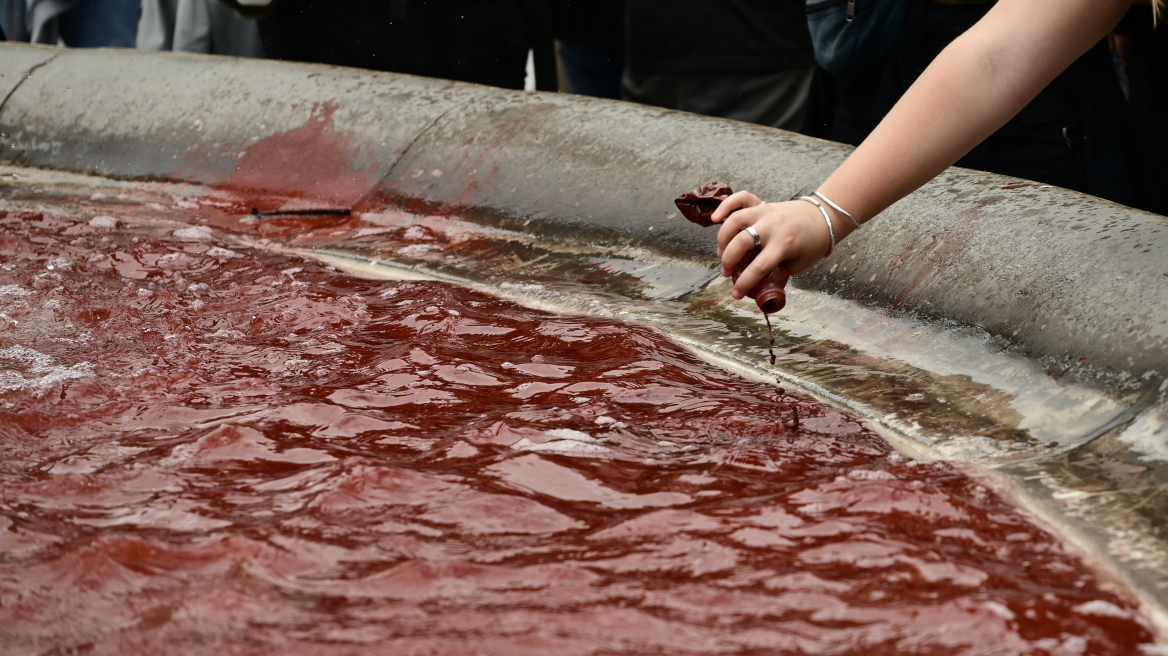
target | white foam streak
[
  {"x": 14, "y": 290},
  {"x": 39, "y": 371}
]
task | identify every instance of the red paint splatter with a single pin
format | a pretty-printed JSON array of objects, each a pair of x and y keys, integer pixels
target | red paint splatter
[
  {"x": 313, "y": 166},
  {"x": 308, "y": 166},
  {"x": 946, "y": 242}
]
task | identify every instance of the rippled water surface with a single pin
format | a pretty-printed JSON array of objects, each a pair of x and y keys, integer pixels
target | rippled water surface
[{"x": 209, "y": 449}]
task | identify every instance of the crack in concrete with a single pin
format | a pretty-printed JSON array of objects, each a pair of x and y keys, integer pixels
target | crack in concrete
[
  {"x": 417, "y": 137},
  {"x": 27, "y": 75}
]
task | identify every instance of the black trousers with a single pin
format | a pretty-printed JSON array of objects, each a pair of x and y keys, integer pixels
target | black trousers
[
  {"x": 1077, "y": 134},
  {"x": 482, "y": 41},
  {"x": 1148, "y": 81}
]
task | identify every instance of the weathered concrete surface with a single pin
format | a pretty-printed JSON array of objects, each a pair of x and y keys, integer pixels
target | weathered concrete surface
[
  {"x": 1077, "y": 282},
  {"x": 18, "y": 65},
  {"x": 324, "y": 135},
  {"x": 599, "y": 170}
]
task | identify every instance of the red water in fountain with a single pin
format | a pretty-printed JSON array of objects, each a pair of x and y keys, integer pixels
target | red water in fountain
[{"x": 214, "y": 450}]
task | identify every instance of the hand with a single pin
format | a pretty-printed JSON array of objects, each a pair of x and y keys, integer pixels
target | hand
[{"x": 793, "y": 234}]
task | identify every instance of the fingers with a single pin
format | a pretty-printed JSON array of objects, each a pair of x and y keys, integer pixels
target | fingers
[
  {"x": 737, "y": 201},
  {"x": 764, "y": 265},
  {"x": 736, "y": 223},
  {"x": 738, "y": 248},
  {"x": 793, "y": 234},
  {"x": 778, "y": 276}
]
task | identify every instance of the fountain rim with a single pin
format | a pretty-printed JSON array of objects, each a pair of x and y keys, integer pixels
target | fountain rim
[{"x": 954, "y": 251}]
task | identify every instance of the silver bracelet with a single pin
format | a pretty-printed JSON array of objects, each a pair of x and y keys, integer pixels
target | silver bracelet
[
  {"x": 826, "y": 217},
  {"x": 839, "y": 209}
]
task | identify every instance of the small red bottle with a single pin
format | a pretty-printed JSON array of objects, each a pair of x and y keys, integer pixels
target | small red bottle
[{"x": 698, "y": 206}]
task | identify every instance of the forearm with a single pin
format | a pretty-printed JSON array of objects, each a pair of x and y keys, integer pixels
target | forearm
[{"x": 973, "y": 87}]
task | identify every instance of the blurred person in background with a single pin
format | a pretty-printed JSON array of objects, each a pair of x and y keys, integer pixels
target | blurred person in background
[
  {"x": 12, "y": 20},
  {"x": 82, "y": 23},
  {"x": 591, "y": 35},
  {"x": 482, "y": 41},
  {"x": 206, "y": 26},
  {"x": 739, "y": 59},
  {"x": 1143, "y": 53},
  {"x": 1077, "y": 133}
]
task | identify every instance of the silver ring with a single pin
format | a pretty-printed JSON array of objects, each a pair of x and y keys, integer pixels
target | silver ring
[{"x": 754, "y": 234}]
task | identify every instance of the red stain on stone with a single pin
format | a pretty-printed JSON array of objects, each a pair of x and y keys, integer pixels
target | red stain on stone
[
  {"x": 312, "y": 166},
  {"x": 942, "y": 246},
  {"x": 948, "y": 241}
]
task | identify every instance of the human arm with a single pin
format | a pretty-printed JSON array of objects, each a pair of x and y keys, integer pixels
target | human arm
[{"x": 971, "y": 89}]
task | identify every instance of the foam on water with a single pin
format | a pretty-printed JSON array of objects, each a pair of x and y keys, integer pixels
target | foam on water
[
  {"x": 14, "y": 290},
  {"x": 218, "y": 251},
  {"x": 103, "y": 222},
  {"x": 564, "y": 441},
  {"x": 1148, "y": 434},
  {"x": 196, "y": 233},
  {"x": 25, "y": 369}
]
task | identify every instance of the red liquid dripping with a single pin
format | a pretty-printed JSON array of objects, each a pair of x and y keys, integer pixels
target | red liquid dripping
[
  {"x": 698, "y": 205},
  {"x": 771, "y": 335}
]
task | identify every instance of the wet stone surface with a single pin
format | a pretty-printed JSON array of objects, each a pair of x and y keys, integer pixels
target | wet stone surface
[{"x": 210, "y": 449}]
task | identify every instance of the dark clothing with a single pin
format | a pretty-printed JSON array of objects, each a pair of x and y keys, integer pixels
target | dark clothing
[
  {"x": 12, "y": 20},
  {"x": 1148, "y": 91},
  {"x": 592, "y": 72},
  {"x": 775, "y": 99},
  {"x": 1077, "y": 133},
  {"x": 687, "y": 37},
  {"x": 598, "y": 25},
  {"x": 482, "y": 41},
  {"x": 592, "y": 44},
  {"x": 747, "y": 60},
  {"x": 100, "y": 24}
]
